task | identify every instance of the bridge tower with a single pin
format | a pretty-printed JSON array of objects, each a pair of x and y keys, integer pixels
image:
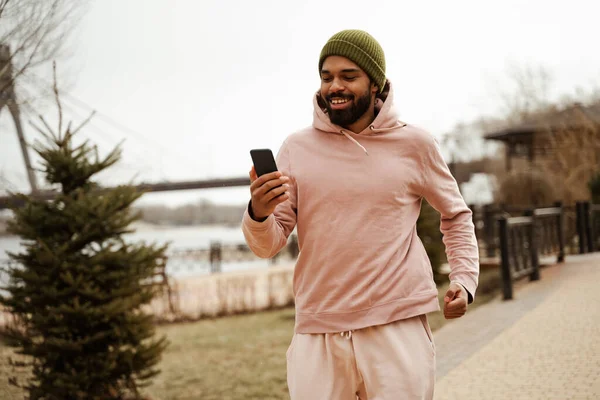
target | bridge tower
[{"x": 8, "y": 99}]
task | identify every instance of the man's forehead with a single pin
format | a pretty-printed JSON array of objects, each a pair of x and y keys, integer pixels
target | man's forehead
[{"x": 338, "y": 64}]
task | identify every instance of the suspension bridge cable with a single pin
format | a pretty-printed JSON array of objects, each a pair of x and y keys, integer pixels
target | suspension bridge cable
[
  {"x": 112, "y": 121},
  {"x": 100, "y": 134}
]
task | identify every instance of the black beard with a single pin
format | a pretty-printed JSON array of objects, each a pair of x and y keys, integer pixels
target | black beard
[{"x": 350, "y": 115}]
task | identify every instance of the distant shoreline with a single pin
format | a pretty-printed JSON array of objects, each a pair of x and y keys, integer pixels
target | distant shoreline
[
  {"x": 142, "y": 226},
  {"x": 160, "y": 217}
]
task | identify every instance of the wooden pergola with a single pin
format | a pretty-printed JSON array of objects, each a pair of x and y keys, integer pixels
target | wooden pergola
[{"x": 530, "y": 138}]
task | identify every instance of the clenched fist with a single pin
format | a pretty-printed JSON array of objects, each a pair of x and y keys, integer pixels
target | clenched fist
[
  {"x": 455, "y": 301},
  {"x": 267, "y": 192}
]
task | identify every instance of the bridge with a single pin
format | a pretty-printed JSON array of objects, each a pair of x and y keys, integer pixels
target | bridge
[
  {"x": 10, "y": 202},
  {"x": 8, "y": 100}
]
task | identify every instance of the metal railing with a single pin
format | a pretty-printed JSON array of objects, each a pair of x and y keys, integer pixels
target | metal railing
[
  {"x": 201, "y": 260},
  {"x": 549, "y": 231},
  {"x": 486, "y": 228},
  {"x": 541, "y": 232},
  {"x": 588, "y": 226},
  {"x": 518, "y": 252},
  {"x": 217, "y": 254}
]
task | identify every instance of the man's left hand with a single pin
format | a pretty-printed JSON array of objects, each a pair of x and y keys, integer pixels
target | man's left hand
[{"x": 455, "y": 301}]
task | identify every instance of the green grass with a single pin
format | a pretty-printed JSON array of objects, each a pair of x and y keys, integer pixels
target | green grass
[
  {"x": 231, "y": 358},
  {"x": 241, "y": 357}
]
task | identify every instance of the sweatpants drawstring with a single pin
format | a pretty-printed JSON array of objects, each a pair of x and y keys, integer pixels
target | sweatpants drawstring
[{"x": 348, "y": 334}]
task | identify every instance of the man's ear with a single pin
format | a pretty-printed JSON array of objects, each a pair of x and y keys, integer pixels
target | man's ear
[{"x": 374, "y": 88}]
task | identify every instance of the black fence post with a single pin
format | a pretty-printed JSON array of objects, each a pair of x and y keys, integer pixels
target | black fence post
[
  {"x": 533, "y": 247},
  {"x": 488, "y": 228},
  {"x": 560, "y": 226},
  {"x": 216, "y": 256},
  {"x": 507, "y": 288},
  {"x": 587, "y": 221},
  {"x": 580, "y": 226},
  {"x": 595, "y": 224}
]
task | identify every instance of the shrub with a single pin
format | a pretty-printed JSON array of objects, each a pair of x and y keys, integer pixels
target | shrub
[{"x": 79, "y": 288}]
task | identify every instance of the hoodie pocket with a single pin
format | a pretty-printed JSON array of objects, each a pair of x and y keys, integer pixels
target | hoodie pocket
[
  {"x": 289, "y": 350},
  {"x": 427, "y": 329}
]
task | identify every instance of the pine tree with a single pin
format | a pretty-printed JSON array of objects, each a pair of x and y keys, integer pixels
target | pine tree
[{"x": 79, "y": 291}]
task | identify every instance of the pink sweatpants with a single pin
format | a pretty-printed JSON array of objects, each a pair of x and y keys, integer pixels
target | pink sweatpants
[{"x": 387, "y": 362}]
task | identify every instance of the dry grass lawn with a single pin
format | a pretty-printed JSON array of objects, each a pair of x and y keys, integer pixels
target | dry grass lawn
[{"x": 231, "y": 358}]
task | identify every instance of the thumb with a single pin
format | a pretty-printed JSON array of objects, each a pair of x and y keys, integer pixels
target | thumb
[
  {"x": 451, "y": 293},
  {"x": 253, "y": 175}
]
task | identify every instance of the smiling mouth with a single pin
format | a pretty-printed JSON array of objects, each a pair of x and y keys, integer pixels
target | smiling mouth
[{"x": 339, "y": 101}]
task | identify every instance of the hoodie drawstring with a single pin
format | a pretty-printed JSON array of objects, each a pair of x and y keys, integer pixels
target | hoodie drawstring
[
  {"x": 354, "y": 141},
  {"x": 348, "y": 334},
  {"x": 398, "y": 125}
]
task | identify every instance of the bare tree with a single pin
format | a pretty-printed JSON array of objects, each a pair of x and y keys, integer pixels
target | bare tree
[
  {"x": 528, "y": 93},
  {"x": 465, "y": 141},
  {"x": 525, "y": 93},
  {"x": 567, "y": 141},
  {"x": 33, "y": 32},
  {"x": 574, "y": 152},
  {"x": 567, "y": 138}
]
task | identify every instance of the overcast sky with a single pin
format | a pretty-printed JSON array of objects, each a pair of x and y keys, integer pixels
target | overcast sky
[{"x": 200, "y": 83}]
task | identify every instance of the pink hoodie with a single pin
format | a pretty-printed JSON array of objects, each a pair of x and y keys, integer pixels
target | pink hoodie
[{"x": 361, "y": 262}]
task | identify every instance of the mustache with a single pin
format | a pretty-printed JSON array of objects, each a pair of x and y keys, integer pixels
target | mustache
[{"x": 339, "y": 95}]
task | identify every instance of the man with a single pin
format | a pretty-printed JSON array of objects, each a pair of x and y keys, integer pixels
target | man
[{"x": 352, "y": 184}]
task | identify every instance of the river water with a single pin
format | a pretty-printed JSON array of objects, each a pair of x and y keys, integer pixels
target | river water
[{"x": 180, "y": 238}]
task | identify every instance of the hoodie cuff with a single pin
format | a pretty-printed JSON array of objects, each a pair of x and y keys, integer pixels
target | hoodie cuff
[
  {"x": 253, "y": 224},
  {"x": 251, "y": 213},
  {"x": 469, "y": 294}
]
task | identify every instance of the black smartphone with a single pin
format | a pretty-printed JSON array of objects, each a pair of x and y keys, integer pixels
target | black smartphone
[{"x": 263, "y": 160}]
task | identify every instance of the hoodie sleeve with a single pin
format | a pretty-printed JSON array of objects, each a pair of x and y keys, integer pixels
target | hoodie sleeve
[
  {"x": 441, "y": 191},
  {"x": 268, "y": 237}
]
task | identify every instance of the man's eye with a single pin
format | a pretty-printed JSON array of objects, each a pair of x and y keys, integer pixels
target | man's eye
[
  {"x": 350, "y": 78},
  {"x": 324, "y": 79}
]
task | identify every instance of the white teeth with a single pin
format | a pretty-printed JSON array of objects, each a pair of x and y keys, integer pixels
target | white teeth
[{"x": 338, "y": 101}]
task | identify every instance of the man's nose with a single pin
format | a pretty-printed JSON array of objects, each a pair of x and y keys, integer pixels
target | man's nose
[{"x": 336, "y": 86}]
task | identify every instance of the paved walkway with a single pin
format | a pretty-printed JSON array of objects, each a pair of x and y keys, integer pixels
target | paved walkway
[{"x": 544, "y": 344}]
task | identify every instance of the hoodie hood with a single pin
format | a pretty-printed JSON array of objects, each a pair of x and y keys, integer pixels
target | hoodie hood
[{"x": 386, "y": 115}]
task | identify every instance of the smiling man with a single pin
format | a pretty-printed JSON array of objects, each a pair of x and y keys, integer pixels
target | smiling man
[{"x": 352, "y": 184}]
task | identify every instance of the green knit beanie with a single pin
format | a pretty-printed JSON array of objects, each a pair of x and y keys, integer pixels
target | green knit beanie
[{"x": 359, "y": 47}]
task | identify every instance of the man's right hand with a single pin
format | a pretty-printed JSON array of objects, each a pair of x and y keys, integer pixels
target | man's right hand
[{"x": 265, "y": 193}]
